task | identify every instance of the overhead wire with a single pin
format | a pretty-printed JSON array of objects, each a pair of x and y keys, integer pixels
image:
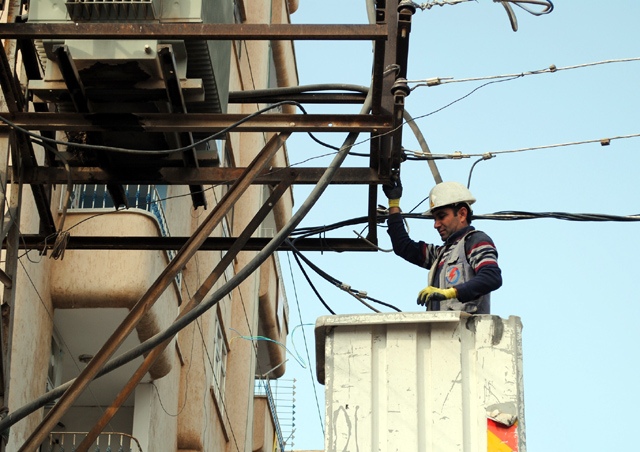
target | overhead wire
[
  {"x": 306, "y": 345},
  {"x": 39, "y": 138},
  {"x": 418, "y": 155},
  {"x": 437, "y": 81},
  {"x": 218, "y": 294},
  {"x": 361, "y": 296},
  {"x": 244, "y": 308},
  {"x": 61, "y": 336}
]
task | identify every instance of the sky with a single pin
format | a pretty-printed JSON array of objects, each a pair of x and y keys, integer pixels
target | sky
[{"x": 571, "y": 283}]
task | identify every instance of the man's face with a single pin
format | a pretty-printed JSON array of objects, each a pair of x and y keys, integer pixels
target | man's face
[{"x": 447, "y": 222}]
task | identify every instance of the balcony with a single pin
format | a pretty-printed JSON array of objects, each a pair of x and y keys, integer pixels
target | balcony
[
  {"x": 108, "y": 441},
  {"x": 105, "y": 284}
]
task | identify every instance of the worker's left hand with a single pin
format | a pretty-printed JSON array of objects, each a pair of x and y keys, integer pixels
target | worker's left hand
[
  {"x": 430, "y": 293},
  {"x": 393, "y": 189}
]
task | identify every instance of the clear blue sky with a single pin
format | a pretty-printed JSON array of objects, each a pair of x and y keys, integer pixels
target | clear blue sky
[{"x": 571, "y": 283}]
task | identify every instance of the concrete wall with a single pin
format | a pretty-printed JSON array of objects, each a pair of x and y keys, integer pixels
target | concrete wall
[{"x": 177, "y": 406}]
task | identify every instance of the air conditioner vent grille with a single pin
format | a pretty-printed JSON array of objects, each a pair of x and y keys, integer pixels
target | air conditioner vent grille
[{"x": 103, "y": 10}]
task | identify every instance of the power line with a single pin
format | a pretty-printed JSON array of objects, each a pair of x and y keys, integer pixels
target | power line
[
  {"x": 437, "y": 81},
  {"x": 419, "y": 155}
]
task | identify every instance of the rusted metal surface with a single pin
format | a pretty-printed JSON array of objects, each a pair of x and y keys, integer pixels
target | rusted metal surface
[
  {"x": 176, "y": 100},
  {"x": 186, "y": 176},
  {"x": 15, "y": 101},
  {"x": 219, "y": 32},
  {"x": 39, "y": 242},
  {"x": 197, "y": 122},
  {"x": 136, "y": 313},
  {"x": 204, "y": 289}
]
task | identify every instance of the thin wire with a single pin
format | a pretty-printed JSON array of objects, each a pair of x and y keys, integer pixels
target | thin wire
[
  {"x": 437, "y": 81},
  {"x": 460, "y": 155},
  {"x": 268, "y": 339},
  {"x": 66, "y": 346},
  {"x": 306, "y": 345},
  {"x": 39, "y": 139},
  {"x": 205, "y": 348},
  {"x": 429, "y": 5}
]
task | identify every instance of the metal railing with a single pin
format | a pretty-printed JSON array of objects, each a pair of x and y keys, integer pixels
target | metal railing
[
  {"x": 281, "y": 405},
  {"x": 106, "y": 442}
]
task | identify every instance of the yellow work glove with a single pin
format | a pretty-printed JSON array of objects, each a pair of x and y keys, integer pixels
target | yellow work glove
[{"x": 430, "y": 294}]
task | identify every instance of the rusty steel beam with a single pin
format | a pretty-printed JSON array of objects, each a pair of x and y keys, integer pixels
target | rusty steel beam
[
  {"x": 188, "y": 176},
  {"x": 197, "y": 122},
  {"x": 154, "y": 292},
  {"x": 141, "y": 243},
  {"x": 15, "y": 101},
  {"x": 195, "y": 300},
  {"x": 210, "y": 32}
]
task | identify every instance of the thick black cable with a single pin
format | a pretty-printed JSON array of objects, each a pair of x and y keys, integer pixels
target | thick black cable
[
  {"x": 383, "y": 303},
  {"x": 38, "y": 139},
  {"x": 313, "y": 287},
  {"x": 213, "y": 299},
  {"x": 339, "y": 284}
]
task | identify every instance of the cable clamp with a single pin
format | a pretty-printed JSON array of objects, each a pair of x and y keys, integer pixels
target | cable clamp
[
  {"x": 487, "y": 156},
  {"x": 345, "y": 287},
  {"x": 457, "y": 155},
  {"x": 435, "y": 81}
]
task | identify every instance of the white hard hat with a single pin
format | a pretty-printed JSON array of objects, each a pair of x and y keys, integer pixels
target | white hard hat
[{"x": 448, "y": 193}]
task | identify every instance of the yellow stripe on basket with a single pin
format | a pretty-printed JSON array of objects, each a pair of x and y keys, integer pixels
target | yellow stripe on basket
[{"x": 495, "y": 444}]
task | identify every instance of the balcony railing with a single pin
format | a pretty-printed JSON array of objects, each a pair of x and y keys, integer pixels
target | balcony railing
[
  {"x": 106, "y": 442},
  {"x": 282, "y": 407}
]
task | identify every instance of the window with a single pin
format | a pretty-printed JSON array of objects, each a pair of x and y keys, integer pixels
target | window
[
  {"x": 54, "y": 372},
  {"x": 219, "y": 365}
]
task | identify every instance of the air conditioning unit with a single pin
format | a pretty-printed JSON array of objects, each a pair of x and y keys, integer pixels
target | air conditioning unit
[
  {"x": 106, "y": 10},
  {"x": 126, "y": 76}
]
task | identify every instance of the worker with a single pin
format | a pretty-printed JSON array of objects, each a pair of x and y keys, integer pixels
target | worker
[{"x": 464, "y": 270}]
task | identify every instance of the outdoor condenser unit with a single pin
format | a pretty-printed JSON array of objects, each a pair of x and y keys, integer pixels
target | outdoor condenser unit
[{"x": 130, "y": 76}]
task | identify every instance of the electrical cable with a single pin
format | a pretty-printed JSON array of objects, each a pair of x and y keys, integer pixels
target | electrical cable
[
  {"x": 212, "y": 299},
  {"x": 36, "y": 138},
  {"x": 313, "y": 287},
  {"x": 359, "y": 295},
  {"x": 512, "y": 215},
  {"x": 60, "y": 335},
  {"x": 437, "y": 81},
  {"x": 418, "y": 155},
  {"x": 306, "y": 345},
  {"x": 481, "y": 159}
]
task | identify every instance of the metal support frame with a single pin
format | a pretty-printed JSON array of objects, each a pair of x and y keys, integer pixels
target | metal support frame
[
  {"x": 204, "y": 289},
  {"x": 178, "y": 106},
  {"x": 79, "y": 99},
  {"x": 153, "y": 293},
  {"x": 16, "y": 103},
  {"x": 390, "y": 37}
]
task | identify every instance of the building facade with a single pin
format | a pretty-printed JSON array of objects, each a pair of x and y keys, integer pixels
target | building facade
[{"x": 63, "y": 306}]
